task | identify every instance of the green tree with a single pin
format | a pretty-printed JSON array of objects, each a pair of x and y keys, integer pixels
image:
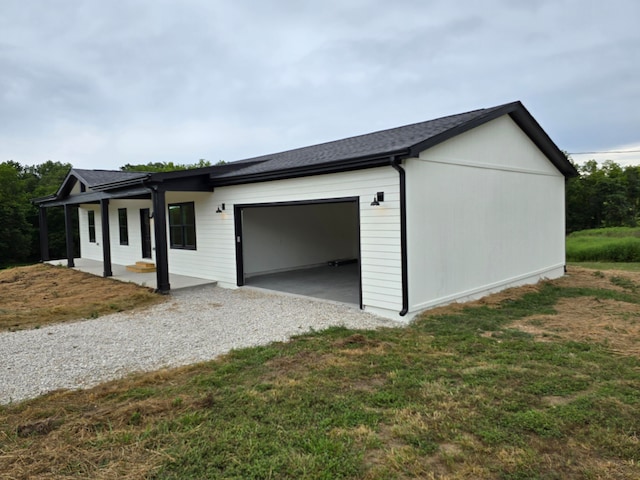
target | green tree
[
  {"x": 603, "y": 196},
  {"x": 15, "y": 230},
  {"x": 19, "y": 232}
]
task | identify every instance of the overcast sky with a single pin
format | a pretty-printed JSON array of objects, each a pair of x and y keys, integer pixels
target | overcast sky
[{"x": 103, "y": 83}]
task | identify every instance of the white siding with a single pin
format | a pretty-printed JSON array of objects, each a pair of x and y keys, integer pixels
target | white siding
[
  {"x": 120, "y": 254},
  {"x": 90, "y": 250},
  {"x": 131, "y": 253},
  {"x": 485, "y": 211},
  {"x": 202, "y": 261},
  {"x": 214, "y": 257}
]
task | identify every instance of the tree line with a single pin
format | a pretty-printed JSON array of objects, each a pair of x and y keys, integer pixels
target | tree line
[{"x": 606, "y": 195}]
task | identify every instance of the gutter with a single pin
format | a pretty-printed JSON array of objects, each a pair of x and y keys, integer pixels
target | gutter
[
  {"x": 335, "y": 166},
  {"x": 395, "y": 162}
]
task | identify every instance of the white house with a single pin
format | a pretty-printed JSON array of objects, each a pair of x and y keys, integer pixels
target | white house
[{"x": 422, "y": 215}]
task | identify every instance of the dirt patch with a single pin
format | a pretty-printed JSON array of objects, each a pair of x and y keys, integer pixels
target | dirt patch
[
  {"x": 587, "y": 319},
  {"x": 578, "y": 277},
  {"x": 42, "y": 294}
]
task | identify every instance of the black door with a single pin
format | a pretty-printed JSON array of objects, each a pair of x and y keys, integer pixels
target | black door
[{"x": 145, "y": 226}]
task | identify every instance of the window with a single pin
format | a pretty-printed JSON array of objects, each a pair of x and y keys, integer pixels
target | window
[
  {"x": 122, "y": 224},
  {"x": 92, "y": 226},
  {"x": 182, "y": 225}
]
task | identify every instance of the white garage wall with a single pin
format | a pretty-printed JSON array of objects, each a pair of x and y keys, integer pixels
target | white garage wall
[
  {"x": 485, "y": 211},
  {"x": 289, "y": 237},
  {"x": 380, "y": 228}
]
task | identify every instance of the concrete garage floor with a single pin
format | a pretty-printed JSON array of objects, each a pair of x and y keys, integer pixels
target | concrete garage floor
[{"x": 340, "y": 284}]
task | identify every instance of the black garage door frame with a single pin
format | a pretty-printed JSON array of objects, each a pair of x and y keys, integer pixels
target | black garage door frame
[{"x": 237, "y": 215}]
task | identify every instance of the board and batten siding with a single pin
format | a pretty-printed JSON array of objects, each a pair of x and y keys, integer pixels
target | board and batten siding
[
  {"x": 485, "y": 212},
  {"x": 215, "y": 258}
]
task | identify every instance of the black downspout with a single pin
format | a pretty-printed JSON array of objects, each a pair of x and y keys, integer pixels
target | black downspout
[
  {"x": 395, "y": 163},
  {"x": 106, "y": 239},
  {"x": 237, "y": 215},
  {"x": 68, "y": 228},
  {"x": 44, "y": 234}
]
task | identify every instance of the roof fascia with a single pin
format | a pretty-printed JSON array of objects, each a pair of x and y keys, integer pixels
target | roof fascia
[
  {"x": 539, "y": 137},
  {"x": 68, "y": 183},
  {"x": 93, "y": 197},
  {"x": 199, "y": 183},
  {"x": 307, "y": 171},
  {"x": 523, "y": 119}
]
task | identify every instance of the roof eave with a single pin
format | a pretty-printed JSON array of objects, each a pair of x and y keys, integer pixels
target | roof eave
[
  {"x": 335, "y": 166},
  {"x": 539, "y": 137},
  {"x": 120, "y": 184}
]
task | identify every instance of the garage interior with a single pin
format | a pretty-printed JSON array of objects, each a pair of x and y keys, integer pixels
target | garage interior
[{"x": 309, "y": 249}]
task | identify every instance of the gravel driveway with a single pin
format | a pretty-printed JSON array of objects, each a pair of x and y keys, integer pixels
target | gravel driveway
[{"x": 194, "y": 325}]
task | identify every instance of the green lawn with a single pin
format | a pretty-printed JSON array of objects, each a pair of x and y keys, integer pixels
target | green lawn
[
  {"x": 459, "y": 394},
  {"x": 618, "y": 244}
]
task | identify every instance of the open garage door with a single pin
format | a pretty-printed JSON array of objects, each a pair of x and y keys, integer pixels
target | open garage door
[{"x": 305, "y": 248}]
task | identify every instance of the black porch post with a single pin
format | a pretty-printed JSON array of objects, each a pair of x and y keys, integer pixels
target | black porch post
[
  {"x": 68, "y": 224},
  {"x": 106, "y": 241},
  {"x": 160, "y": 231},
  {"x": 44, "y": 234}
]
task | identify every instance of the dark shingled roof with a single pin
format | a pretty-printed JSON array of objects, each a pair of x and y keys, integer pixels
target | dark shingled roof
[
  {"x": 381, "y": 143},
  {"x": 403, "y": 142},
  {"x": 91, "y": 178}
]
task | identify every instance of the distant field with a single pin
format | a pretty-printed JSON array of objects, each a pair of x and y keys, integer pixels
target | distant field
[{"x": 619, "y": 244}]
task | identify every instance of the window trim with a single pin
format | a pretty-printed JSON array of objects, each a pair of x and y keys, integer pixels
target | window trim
[
  {"x": 123, "y": 226},
  {"x": 183, "y": 226},
  {"x": 91, "y": 220}
]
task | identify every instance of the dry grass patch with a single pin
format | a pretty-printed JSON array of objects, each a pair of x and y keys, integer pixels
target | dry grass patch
[
  {"x": 42, "y": 294},
  {"x": 579, "y": 277},
  {"x": 613, "y": 323}
]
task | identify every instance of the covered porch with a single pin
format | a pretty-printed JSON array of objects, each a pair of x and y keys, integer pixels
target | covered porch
[{"x": 120, "y": 273}]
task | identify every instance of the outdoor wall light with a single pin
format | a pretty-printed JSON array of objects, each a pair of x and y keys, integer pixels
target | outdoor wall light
[
  {"x": 377, "y": 198},
  {"x": 220, "y": 208}
]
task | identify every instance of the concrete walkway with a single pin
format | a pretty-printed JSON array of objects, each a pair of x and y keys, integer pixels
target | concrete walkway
[{"x": 121, "y": 273}]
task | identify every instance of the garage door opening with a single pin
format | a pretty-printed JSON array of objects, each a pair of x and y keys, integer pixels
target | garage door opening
[{"x": 310, "y": 249}]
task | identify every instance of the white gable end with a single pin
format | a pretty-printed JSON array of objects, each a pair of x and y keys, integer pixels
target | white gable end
[
  {"x": 485, "y": 211},
  {"x": 499, "y": 144}
]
